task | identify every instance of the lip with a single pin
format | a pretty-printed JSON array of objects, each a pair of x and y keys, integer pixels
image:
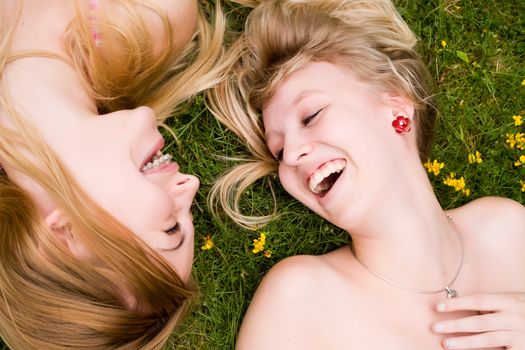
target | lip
[{"x": 156, "y": 147}]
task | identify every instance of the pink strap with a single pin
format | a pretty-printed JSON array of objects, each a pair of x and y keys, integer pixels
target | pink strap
[{"x": 93, "y": 5}]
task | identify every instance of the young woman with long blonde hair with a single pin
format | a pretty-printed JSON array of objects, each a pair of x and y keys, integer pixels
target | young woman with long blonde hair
[
  {"x": 332, "y": 95},
  {"x": 96, "y": 236}
]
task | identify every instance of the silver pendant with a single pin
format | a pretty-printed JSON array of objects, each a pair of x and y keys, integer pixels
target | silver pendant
[{"x": 451, "y": 293}]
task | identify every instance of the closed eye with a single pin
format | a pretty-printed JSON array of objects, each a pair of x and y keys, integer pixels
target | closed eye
[
  {"x": 173, "y": 230},
  {"x": 311, "y": 117}
]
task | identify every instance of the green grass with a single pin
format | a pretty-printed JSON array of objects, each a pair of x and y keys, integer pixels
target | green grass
[{"x": 477, "y": 101}]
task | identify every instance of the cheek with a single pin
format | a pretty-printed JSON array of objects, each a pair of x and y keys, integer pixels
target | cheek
[
  {"x": 140, "y": 206},
  {"x": 290, "y": 182},
  {"x": 181, "y": 260}
]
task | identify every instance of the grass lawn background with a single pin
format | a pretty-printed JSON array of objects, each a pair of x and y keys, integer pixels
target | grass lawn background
[{"x": 476, "y": 53}]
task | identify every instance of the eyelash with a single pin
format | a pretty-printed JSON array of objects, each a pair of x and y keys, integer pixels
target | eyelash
[
  {"x": 304, "y": 122},
  {"x": 308, "y": 119},
  {"x": 173, "y": 230}
]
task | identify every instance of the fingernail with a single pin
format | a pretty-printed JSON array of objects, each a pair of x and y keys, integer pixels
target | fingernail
[
  {"x": 441, "y": 307},
  {"x": 439, "y": 327},
  {"x": 451, "y": 343}
]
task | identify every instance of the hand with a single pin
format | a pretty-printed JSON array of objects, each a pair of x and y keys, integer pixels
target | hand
[{"x": 500, "y": 324}]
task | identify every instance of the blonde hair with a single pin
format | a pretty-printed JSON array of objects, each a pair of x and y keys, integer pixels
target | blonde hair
[
  {"x": 366, "y": 37},
  {"x": 50, "y": 299}
]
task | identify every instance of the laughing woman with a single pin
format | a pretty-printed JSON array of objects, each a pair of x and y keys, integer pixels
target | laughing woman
[
  {"x": 332, "y": 95},
  {"x": 96, "y": 234}
]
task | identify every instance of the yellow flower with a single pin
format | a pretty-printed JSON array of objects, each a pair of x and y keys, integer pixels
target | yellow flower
[
  {"x": 511, "y": 141},
  {"x": 458, "y": 184},
  {"x": 258, "y": 243},
  {"x": 267, "y": 253},
  {"x": 208, "y": 243},
  {"x": 520, "y": 140},
  {"x": 522, "y": 186},
  {"x": 451, "y": 181},
  {"x": 443, "y": 43},
  {"x": 434, "y": 167},
  {"x": 517, "y": 120},
  {"x": 474, "y": 158},
  {"x": 523, "y": 82},
  {"x": 516, "y": 140},
  {"x": 520, "y": 161}
]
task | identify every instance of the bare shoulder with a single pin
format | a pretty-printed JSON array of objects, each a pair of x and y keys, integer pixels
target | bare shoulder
[
  {"x": 284, "y": 305},
  {"x": 157, "y": 16},
  {"x": 498, "y": 204},
  {"x": 493, "y": 215},
  {"x": 182, "y": 15},
  {"x": 494, "y": 230}
]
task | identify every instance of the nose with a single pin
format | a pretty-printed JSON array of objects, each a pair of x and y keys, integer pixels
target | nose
[
  {"x": 295, "y": 150},
  {"x": 183, "y": 188}
]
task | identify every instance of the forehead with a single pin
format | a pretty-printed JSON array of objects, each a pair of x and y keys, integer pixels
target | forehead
[
  {"x": 312, "y": 77},
  {"x": 296, "y": 85}
]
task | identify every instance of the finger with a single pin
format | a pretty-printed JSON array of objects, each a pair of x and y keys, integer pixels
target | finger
[
  {"x": 480, "y": 341},
  {"x": 477, "y": 302},
  {"x": 475, "y": 324}
]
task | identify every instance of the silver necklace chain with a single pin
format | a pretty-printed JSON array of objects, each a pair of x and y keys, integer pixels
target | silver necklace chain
[{"x": 451, "y": 293}]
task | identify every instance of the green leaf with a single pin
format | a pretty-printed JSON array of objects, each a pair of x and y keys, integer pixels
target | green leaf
[{"x": 463, "y": 56}]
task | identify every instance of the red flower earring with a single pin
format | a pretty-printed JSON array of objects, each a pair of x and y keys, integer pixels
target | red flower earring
[{"x": 401, "y": 125}]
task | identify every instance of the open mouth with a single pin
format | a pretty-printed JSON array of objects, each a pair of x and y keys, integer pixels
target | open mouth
[
  {"x": 156, "y": 162},
  {"x": 324, "y": 178}
]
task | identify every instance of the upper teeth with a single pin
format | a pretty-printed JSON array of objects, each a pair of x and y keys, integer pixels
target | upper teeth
[
  {"x": 323, "y": 172},
  {"x": 157, "y": 160}
]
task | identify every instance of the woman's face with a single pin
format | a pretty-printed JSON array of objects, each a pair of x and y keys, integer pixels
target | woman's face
[
  {"x": 333, "y": 136},
  {"x": 108, "y": 156},
  {"x": 154, "y": 203}
]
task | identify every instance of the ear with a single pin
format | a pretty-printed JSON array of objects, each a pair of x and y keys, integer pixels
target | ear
[
  {"x": 58, "y": 224},
  {"x": 401, "y": 106},
  {"x": 61, "y": 227}
]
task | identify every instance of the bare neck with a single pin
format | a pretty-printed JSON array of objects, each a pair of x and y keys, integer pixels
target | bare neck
[{"x": 408, "y": 238}]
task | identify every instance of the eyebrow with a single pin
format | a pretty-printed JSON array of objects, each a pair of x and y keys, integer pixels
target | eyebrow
[{"x": 303, "y": 95}]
